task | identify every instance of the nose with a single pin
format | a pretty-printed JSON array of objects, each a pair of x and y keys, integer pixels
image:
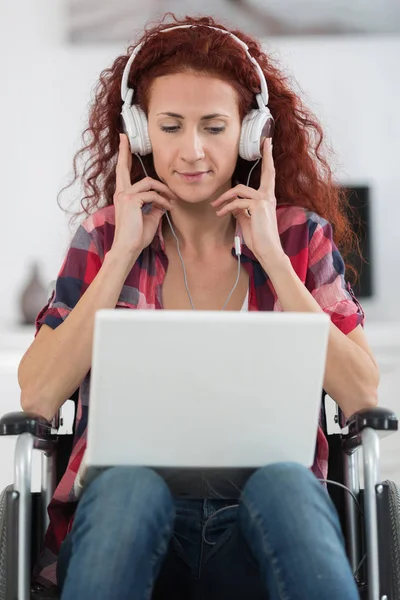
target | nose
[{"x": 191, "y": 147}]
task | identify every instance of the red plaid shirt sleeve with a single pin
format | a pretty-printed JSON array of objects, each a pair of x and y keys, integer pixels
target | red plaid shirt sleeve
[
  {"x": 326, "y": 277},
  {"x": 79, "y": 268}
]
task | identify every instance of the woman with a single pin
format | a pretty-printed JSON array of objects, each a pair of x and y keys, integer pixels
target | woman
[{"x": 160, "y": 235}]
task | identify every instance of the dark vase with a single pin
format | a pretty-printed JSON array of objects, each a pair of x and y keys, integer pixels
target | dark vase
[{"x": 33, "y": 296}]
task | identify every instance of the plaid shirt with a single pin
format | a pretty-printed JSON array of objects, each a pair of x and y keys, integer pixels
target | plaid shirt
[{"x": 306, "y": 238}]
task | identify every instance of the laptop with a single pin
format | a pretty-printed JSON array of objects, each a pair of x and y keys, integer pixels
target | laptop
[{"x": 205, "y": 398}]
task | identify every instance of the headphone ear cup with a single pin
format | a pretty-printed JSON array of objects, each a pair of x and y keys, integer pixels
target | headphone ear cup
[
  {"x": 254, "y": 126},
  {"x": 134, "y": 123}
]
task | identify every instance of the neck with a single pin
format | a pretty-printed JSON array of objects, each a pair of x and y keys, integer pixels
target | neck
[{"x": 199, "y": 229}]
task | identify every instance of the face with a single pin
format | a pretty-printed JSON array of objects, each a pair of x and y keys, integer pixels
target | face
[{"x": 194, "y": 129}]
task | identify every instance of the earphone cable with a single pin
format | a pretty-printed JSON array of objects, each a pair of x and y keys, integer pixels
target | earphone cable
[
  {"x": 251, "y": 170},
  {"x": 344, "y": 487},
  {"x": 182, "y": 261}
]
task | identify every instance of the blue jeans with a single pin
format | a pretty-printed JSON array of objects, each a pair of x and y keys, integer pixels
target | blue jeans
[{"x": 131, "y": 540}]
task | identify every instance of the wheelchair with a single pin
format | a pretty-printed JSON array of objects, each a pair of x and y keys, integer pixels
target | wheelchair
[{"x": 369, "y": 515}]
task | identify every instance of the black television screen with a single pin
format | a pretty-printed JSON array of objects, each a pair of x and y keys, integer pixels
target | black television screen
[{"x": 360, "y": 217}]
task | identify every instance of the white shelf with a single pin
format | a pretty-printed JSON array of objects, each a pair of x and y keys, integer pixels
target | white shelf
[
  {"x": 16, "y": 337},
  {"x": 382, "y": 334}
]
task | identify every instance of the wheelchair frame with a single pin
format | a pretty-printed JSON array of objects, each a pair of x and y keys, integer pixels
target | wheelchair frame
[{"x": 369, "y": 537}]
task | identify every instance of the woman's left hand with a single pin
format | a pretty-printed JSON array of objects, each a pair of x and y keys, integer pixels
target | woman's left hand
[{"x": 255, "y": 211}]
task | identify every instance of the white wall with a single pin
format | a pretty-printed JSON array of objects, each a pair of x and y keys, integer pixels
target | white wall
[{"x": 352, "y": 84}]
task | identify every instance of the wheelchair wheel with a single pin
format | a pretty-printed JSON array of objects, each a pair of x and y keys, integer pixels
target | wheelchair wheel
[{"x": 394, "y": 508}]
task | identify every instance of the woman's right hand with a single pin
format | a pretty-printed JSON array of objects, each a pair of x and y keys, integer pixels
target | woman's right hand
[{"x": 134, "y": 230}]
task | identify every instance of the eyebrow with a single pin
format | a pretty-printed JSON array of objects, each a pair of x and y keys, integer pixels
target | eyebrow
[{"x": 205, "y": 118}]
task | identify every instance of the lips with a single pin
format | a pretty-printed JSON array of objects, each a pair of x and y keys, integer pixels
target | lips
[
  {"x": 196, "y": 173},
  {"x": 194, "y": 177}
]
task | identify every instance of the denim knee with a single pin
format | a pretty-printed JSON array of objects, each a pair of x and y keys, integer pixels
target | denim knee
[
  {"x": 290, "y": 493},
  {"x": 288, "y": 487},
  {"x": 283, "y": 479},
  {"x": 128, "y": 492}
]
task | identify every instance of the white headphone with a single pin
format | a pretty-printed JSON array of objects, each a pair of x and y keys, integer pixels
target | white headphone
[{"x": 257, "y": 124}]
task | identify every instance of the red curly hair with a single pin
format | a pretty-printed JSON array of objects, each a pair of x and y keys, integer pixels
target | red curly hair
[{"x": 303, "y": 174}]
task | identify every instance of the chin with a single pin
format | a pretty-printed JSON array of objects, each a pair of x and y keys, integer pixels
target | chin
[
  {"x": 192, "y": 196},
  {"x": 193, "y": 193}
]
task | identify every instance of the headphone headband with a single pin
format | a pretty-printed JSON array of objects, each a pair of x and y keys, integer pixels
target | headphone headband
[
  {"x": 262, "y": 99},
  {"x": 256, "y": 125}
]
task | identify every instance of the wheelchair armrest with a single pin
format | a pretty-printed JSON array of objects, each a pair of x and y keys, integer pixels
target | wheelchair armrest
[
  {"x": 378, "y": 418},
  {"x": 15, "y": 423}
]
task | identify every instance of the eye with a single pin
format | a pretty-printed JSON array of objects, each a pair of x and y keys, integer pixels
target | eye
[
  {"x": 174, "y": 128},
  {"x": 169, "y": 129},
  {"x": 216, "y": 130}
]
